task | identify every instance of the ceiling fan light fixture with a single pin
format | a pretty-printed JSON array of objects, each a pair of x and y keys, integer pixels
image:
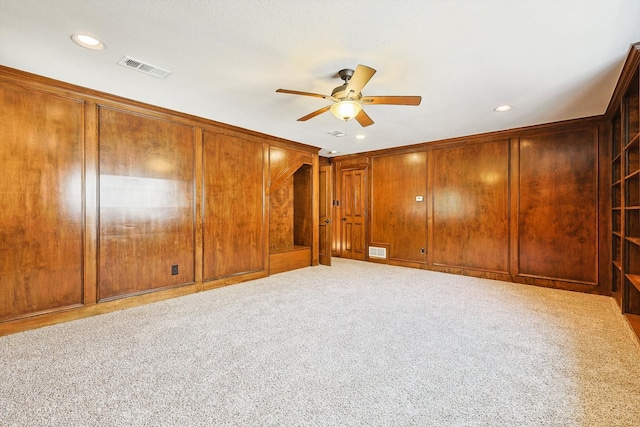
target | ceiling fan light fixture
[{"x": 346, "y": 110}]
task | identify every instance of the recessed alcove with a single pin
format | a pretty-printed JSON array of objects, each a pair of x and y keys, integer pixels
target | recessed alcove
[{"x": 291, "y": 221}]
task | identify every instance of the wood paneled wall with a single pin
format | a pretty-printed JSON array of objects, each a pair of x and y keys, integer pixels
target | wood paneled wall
[
  {"x": 470, "y": 199},
  {"x": 398, "y": 220},
  {"x": 147, "y": 203},
  {"x": 101, "y": 196},
  {"x": 558, "y": 205},
  {"x": 521, "y": 205},
  {"x": 108, "y": 203},
  {"x": 41, "y": 217},
  {"x": 234, "y": 226},
  {"x": 281, "y": 217}
]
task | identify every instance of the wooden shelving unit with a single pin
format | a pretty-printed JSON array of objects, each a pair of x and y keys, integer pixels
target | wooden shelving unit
[
  {"x": 616, "y": 208},
  {"x": 625, "y": 202}
]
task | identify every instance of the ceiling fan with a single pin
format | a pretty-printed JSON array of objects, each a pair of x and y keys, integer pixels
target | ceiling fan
[{"x": 348, "y": 100}]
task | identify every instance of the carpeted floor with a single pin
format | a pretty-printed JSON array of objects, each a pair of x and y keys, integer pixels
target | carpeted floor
[{"x": 352, "y": 344}]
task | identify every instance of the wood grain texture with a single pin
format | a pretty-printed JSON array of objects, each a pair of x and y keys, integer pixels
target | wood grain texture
[
  {"x": 353, "y": 210},
  {"x": 147, "y": 206},
  {"x": 325, "y": 213},
  {"x": 315, "y": 210},
  {"x": 293, "y": 208},
  {"x": 631, "y": 109},
  {"x": 397, "y": 219},
  {"x": 281, "y": 220},
  {"x": 199, "y": 217},
  {"x": 302, "y": 215},
  {"x": 471, "y": 206},
  {"x": 284, "y": 162},
  {"x": 90, "y": 203},
  {"x": 41, "y": 210},
  {"x": 558, "y": 206},
  {"x": 349, "y": 163},
  {"x": 56, "y": 231},
  {"x": 297, "y": 257},
  {"x": 234, "y": 231}
]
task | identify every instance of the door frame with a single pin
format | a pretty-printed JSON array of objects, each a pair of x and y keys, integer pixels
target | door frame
[{"x": 325, "y": 222}]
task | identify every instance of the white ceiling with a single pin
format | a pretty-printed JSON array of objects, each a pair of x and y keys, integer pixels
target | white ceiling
[{"x": 551, "y": 60}]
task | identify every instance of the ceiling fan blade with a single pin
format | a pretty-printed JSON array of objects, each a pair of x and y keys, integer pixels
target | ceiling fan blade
[
  {"x": 360, "y": 78},
  {"x": 364, "y": 119},
  {"x": 392, "y": 100},
  {"x": 315, "y": 113},
  {"x": 297, "y": 92}
]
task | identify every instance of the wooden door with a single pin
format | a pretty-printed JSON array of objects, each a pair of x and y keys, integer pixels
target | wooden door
[
  {"x": 353, "y": 214},
  {"x": 325, "y": 195}
]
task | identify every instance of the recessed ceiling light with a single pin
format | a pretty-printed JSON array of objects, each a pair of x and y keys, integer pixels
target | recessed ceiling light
[
  {"x": 333, "y": 152},
  {"x": 502, "y": 108},
  {"x": 87, "y": 41},
  {"x": 360, "y": 136}
]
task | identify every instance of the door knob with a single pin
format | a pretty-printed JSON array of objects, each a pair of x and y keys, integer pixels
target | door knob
[
  {"x": 327, "y": 221},
  {"x": 344, "y": 219}
]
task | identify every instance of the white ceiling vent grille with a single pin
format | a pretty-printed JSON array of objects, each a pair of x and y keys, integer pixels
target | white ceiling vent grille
[
  {"x": 336, "y": 133},
  {"x": 135, "y": 64}
]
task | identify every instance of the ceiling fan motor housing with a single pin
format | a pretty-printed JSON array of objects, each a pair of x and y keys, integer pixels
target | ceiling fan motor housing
[
  {"x": 346, "y": 74},
  {"x": 339, "y": 93}
]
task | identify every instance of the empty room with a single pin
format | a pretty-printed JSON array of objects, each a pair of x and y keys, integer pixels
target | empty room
[{"x": 323, "y": 213}]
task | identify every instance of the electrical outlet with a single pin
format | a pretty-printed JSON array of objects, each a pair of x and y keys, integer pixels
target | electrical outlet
[{"x": 174, "y": 270}]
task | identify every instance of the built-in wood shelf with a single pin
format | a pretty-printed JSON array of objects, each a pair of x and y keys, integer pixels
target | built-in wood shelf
[
  {"x": 634, "y": 322},
  {"x": 634, "y": 140},
  {"x": 625, "y": 197},
  {"x": 633, "y": 174},
  {"x": 634, "y": 279},
  {"x": 634, "y": 240}
]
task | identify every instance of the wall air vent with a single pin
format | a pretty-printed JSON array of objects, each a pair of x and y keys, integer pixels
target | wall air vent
[
  {"x": 375, "y": 252},
  {"x": 135, "y": 64}
]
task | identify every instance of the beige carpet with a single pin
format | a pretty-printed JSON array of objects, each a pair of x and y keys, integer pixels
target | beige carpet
[{"x": 353, "y": 344}]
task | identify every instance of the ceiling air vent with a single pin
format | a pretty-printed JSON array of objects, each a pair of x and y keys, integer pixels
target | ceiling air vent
[
  {"x": 336, "y": 133},
  {"x": 135, "y": 64}
]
